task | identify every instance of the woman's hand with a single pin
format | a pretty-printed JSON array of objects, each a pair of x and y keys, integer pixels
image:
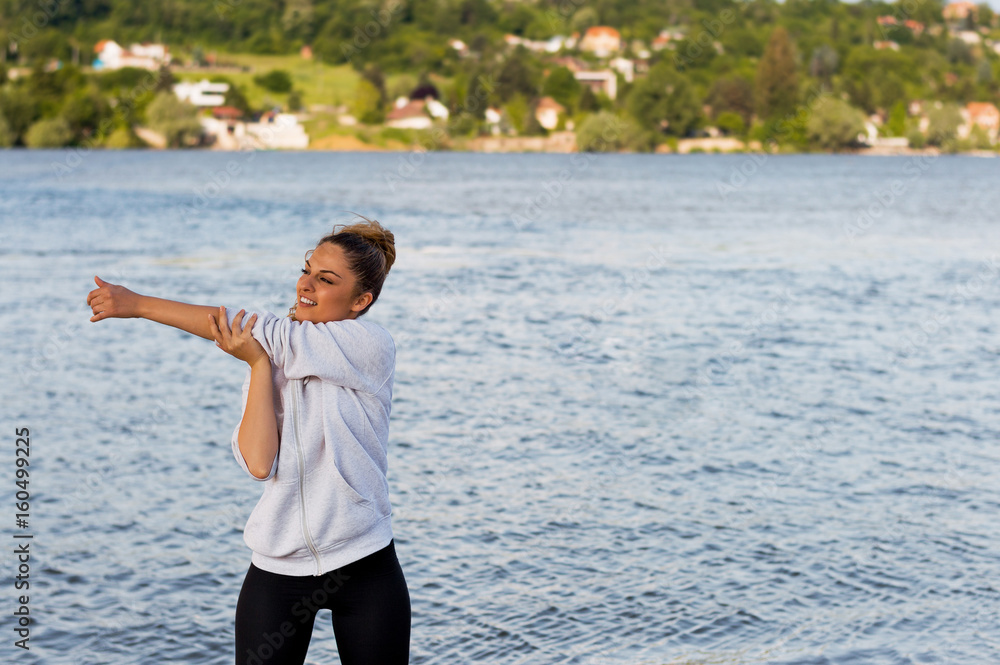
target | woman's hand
[
  {"x": 111, "y": 301},
  {"x": 238, "y": 342}
]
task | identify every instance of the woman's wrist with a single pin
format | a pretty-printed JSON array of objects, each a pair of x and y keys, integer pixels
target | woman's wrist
[
  {"x": 261, "y": 363},
  {"x": 141, "y": 309}
]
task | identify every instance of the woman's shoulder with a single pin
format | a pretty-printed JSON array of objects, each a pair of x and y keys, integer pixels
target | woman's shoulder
[{"x": 364, "y": 332}]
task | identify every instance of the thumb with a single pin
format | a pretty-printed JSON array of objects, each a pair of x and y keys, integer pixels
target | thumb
[{"x": 100, "y": 282}]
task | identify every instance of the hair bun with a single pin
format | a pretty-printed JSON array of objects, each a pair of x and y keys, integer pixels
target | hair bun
[{"x": 375, "y": 234}]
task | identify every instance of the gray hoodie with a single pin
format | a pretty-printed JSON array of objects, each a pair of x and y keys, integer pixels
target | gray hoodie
[{"x": 326, "y": 500}]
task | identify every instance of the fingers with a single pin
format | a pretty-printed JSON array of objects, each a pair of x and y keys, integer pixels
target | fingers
[
  {"x": 248, "y": 327},
  {"x": 214, "y": 327},
  {"x": 224, "y": 324}
]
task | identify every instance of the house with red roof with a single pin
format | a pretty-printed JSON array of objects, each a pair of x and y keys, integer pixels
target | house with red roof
[
  {"x": 981, "y": 114},
  {"x": 957, "y": 11},
  {"x": 601, "y": 40},
  {"x": 111, "y": 55},
  {"x": 547, "y": 112},
  {"x": 409, "y": 115}
]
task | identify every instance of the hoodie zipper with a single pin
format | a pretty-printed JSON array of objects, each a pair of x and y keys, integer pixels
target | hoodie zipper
[{"x": 302, "y": 480}]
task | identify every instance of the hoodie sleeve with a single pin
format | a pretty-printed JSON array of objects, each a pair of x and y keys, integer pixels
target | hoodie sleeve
[
  {"x": 355, "y": 354},
  {"x": 236, "y": 434}
]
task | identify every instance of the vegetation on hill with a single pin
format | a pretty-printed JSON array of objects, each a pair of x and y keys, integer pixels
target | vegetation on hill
[{"x": 801, "y": 73}]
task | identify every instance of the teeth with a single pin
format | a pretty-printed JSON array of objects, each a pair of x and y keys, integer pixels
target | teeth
[{"x": 306, "y": 300}]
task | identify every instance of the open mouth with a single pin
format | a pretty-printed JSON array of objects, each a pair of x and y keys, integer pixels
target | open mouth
[{"x": 305, "y": 301}]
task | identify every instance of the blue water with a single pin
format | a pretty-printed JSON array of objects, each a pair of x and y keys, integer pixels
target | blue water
[{"x": 648, "y": 409}]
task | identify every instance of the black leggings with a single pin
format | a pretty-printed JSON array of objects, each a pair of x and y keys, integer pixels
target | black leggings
[{"x": 368, "y": 598}]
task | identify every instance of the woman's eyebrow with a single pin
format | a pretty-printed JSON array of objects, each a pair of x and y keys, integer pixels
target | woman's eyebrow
[{"x": 329, "y": 271}]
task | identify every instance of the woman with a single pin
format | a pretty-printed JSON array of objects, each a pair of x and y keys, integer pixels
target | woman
[{"x": 314, "y": 430}]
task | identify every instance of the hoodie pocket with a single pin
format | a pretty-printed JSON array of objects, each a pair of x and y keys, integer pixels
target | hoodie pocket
[
  {"x": 341, "y": 512},
  {"x": 274, "y": 528}
]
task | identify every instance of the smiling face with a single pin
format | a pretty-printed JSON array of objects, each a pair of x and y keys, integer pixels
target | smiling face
[{"x": 325, "y": 291}]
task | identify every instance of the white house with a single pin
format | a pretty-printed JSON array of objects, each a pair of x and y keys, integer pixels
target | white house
[
  {"x": 605, "y": 81},
  {"x": 410, "y": 115},
  {"x": 436, "y": 108},
  {"x": 625, "y": 67},
  {"x": 111, "y": 55},
  {"x": 601, "y": 40},
  {"x": 970, "y": 37},
  {"x": 493, "y": 116},
  {"x": 547, "y": 112},
  {"x": 279, "y": 130},
  {"x": 202, "y": 93}
]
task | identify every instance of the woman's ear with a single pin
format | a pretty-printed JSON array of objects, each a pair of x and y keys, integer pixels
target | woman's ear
[{"x": 363, "y": 300}]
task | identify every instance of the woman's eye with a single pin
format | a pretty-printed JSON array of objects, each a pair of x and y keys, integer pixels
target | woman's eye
[{"x": 322, "y": 279}]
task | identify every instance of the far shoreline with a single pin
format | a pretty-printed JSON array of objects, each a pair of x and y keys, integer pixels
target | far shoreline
[{"x": 924, "y": 152}]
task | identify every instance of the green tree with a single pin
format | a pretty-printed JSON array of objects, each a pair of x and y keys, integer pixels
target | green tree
[
  {"x": 943, "y": 123},
  {"x": 531, "y": 125},
  {"x": 583, "y": 18},
  {"x": 517, "y": 111},
  {"x": 563, "y": 87},
  {"x": 235, "y": 97},
  {"x": 588, "y": 102},
  {"x": 896, "y": 125},
  {"x": 731, "y": 123},
  {"x": 49, "y": 133},
  {"x": 959, "y": 52},
  {"x": 664, "y": 101},
  {"x": 7, "y": 137},
  {"x": 602, "y": 132},
  {"x": 984, "y": 73},
  {"x": 777, "y": 80},
  {"x": 823, "y": 64},
  {"x": 165, "y": 80},
  {"x": 834, "y": 124},
  {"x": 518, "y": 75},
  {"x": 368, "y": 103},
  {"x": 732, "y": 94},
  {"x": 20, "y": 108},
  {"x": 121, "y": 138},
  {"x": 373, "y": 74},
  {"x": 276, "y": 80},
  {"x": 176, "y": 120},
  {"x": 84, "y": 109}
]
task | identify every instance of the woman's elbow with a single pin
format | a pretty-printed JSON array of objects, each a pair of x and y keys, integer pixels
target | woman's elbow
[{"x": 260, "y": 473}]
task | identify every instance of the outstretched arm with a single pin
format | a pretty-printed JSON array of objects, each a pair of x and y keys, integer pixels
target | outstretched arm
[{"x": 114, "y": 301}]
